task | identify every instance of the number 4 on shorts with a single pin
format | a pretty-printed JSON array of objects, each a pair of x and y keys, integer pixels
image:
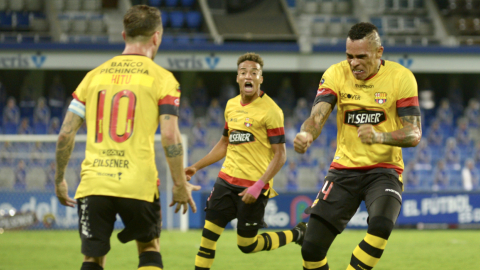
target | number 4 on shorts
[{"x": 328, "y": 187}]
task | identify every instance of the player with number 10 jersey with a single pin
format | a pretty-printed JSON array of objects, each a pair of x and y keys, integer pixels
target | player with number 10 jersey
[{"x": 122, "y": 97}]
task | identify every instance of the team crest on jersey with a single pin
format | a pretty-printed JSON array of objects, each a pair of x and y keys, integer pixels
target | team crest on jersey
[
  {"x": 248, "y": 122},
  {"x": 380, "y": 97},
  {"x": 322, "y": 81}
]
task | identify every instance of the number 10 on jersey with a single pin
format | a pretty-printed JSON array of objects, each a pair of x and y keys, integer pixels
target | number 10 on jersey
[{"x": 114, "y": 112}]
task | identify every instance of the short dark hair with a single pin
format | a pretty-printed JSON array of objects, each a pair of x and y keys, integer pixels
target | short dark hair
[
  {"x": 250, "y": 56},
  {"x": 141, "y": 20},
  {"x": 361, "y": 30}
]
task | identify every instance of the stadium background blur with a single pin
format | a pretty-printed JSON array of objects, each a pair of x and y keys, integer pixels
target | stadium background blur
[{"x": 47, "y": 47}]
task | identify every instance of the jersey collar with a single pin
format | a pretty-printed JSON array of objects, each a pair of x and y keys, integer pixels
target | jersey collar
[
  {"x": 382, "y": 63},
  {"x": 260, "y": 96}
]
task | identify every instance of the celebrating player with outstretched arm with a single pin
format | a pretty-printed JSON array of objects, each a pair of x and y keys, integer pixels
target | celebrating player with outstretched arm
[
  {"x": 123, "y": 101},
  {"x": 253, "y": 142},
  {"x": 378, "y": 113}
]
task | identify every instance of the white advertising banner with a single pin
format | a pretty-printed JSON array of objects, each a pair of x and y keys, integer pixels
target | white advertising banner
[{"x": 227, "y": 61}]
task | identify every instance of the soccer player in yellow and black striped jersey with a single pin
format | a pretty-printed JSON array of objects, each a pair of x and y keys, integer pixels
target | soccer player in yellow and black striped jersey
[
  {"x": 378, "y": 114},
  {"x": 123, "y": 101},
  {"x": 253, "y": 144}
]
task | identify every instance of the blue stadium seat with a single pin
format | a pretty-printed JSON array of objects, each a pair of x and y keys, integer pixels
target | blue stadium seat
[
  {"x": 45, "y": 39},
  {"x": 23, "y": 21},
  {"x": 12, "y": 38},
  {"x": 408, "y": 153},
  {"x": 330, "y": 131},
  {"x": 177, "y": 18},
  {"x": 455, "y": 179},
  {"x": 182, "y": 39},
  {"x": 10, "y": 128},
  {"x": 40, "y": 128},
  {"x": 165, "y": 19},
  {"x": 6, "y": 21},
  {"x": 28, "y": 39},
  {"x": 199, "y": 39},
  {"x": 437, "y": 153},
  {"x": 188, "y": 3},
  {"x": 378, "y": 22},
  {"x": 154, "y": 3},
  {"x": 194, "y": 19},
  {"x": 418, "y": 4},
  {"x": 425, "y": 179},
  {"x": 171, "y": 3},
  {"x": 167, "y": 39}
]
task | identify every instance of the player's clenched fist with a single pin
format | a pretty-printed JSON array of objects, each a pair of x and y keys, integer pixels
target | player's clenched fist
[
  {"x": 368, "y": 135},
  {"x": 302, "y": 142}
]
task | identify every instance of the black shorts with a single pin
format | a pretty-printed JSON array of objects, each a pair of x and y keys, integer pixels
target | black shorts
[
  {"x": 225, "y": 204},
  {"x": 341, "y": 196},
  {"x": 97, "y": 215}
]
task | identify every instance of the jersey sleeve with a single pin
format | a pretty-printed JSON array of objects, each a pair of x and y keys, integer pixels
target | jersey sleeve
[
  {"x": 275, "y": 129},
  {"x": 169, "y": 101},
  {"x": 80, "y": 94},
  {"x": 407, "y": 100},
  {"x": 327, "y": 91}
]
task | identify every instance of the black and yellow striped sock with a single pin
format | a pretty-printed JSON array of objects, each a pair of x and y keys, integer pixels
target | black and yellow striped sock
[
  {"x": 367, "y": 254},
  {"x": 321, "y": 265},
  {"x": 265, "y": 241},
  {"x": 208, "y": 245}
]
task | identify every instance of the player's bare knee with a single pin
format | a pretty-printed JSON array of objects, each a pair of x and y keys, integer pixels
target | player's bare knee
[{"x": 380, "y": 226}]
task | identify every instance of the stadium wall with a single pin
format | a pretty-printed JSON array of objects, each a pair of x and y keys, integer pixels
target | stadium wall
[
  {"x": 419, "y": 210},
  {"x": 431, "y": 59}
]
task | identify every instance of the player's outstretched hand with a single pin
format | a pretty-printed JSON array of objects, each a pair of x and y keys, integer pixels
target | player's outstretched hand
[
  {"x": 302, "y": 142},
  {"x": 368, "y": 135},
  {"x": 247, "y": 197},
  {"x": 182, "y": 196},
  {"x": 61, "y": 190},
  {"x": 189, "y": 172}
]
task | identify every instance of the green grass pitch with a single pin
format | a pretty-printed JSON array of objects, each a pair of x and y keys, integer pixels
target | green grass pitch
[{"x": 406, "y": 249}]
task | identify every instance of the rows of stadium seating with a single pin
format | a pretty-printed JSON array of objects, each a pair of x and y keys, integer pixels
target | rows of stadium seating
[
  {"x": 463, "y": 19},
  {"x": 23, "y": 21},
  {"x": 182, "y": 21},
  {"x": 419, "y": 174},
  {"x": 400, "y": 22},
  {"x": 84, "y": 21}
]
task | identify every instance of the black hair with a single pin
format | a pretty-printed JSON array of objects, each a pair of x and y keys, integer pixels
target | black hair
[{"x": 361, "y": 30}]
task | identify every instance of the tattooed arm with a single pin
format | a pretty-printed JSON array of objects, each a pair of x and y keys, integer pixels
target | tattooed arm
[
  {"x": 312, "y": 126},
  {"x": 65, "y": 144},
  {"x": 172, "y": 144},
  {"x": 408, "y": 136}
]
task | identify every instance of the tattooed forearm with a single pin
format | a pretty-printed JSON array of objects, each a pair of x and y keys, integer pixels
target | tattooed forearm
[
  {"x": 65, "y": 144},
  {"x": 314, "y": 124},
  {"x": 172, "y": 151},
  {"x": 408, "y": 136}
]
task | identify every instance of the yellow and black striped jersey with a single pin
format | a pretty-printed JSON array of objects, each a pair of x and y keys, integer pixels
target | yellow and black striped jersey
[
  {"x": 380, "y": 101},
  {"x": 122, "y": 101},
  {"x": 251, "y": 129}
]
